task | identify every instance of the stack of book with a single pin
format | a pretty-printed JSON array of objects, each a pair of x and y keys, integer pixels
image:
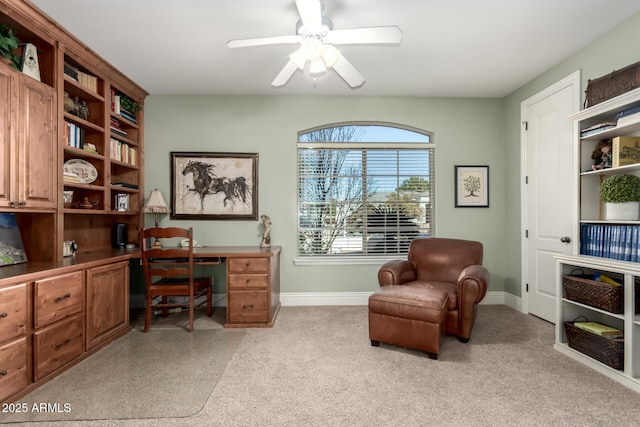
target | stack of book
[
  {"x": 600, "y": 329},
  {"x": 71, "y": 71},
  {"x": 615, "y": 241},
  {"x": 88, "y": 81},
  {"x": 117, "y": 128},
  {"x": 74, "y": 135}
]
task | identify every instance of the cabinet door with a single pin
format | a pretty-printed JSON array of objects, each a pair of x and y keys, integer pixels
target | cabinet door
[
  {"x": 13, "y": 312},
  {"x": 13, "y": 367},
  {"x": 7, "y": 99},
  {"x": 107, "y": 291},
  {"x": 37, "y": 144}
]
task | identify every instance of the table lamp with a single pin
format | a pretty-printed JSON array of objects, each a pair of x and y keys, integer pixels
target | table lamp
[{"x": 156, "y": 205}]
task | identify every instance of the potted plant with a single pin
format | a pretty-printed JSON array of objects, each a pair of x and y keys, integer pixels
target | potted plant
[
  {"x": 8, "y": 42},
  {"x": 621, "y": 194}
]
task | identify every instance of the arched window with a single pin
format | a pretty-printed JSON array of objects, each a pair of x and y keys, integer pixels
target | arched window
[{"x": 364, "y": 189}]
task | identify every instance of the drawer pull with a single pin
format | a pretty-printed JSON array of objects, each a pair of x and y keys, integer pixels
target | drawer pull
[
  {"x": 62, "y": 298},
  {"x": 62, "y": 344},
  {"x": 245, "y": 307},
  {"x": 3, "y": 315},
  {"x": 3, "y": 373}
]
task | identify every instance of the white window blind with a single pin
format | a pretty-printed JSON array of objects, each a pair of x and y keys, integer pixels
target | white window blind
[{"x": 364, "y": 190}]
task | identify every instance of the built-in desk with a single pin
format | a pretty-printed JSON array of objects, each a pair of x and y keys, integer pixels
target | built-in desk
[{"x": 253, "y": 283}]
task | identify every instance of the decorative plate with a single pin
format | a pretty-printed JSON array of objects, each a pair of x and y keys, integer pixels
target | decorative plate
[{"x": 85, "y": 171}]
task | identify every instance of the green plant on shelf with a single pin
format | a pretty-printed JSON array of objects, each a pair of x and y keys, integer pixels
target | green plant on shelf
[
  {"x": 620, "y": 189},
  {"x": 129, "y": 104},
  {"x": 8, "y": 42}
]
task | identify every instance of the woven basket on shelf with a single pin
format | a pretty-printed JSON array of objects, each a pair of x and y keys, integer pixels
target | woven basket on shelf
[
  {"x": 600, "y": 295},
  {"x": 606, "y": 350}
]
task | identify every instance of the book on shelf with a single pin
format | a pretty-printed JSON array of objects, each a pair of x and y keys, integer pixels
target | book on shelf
[
  {"x": 615, "y": 241},
  {"x": 628, "y": 112},
  {"x": 88, "y": 81},
  {"x": 71, "y": 71},
  {"x": 629, "y": 120},
  {"x": 71, "y": 177},
  {"x": 599, "y": 329},
  {"x": 625, "y": 150},
  {"x": 126, "y": 185},
  {"x": 600, "y": 127}
]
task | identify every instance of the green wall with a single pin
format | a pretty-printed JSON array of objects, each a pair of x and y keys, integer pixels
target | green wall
[
  {"x": 614, "y": 50},
  {"x": 467, "y": 131}
]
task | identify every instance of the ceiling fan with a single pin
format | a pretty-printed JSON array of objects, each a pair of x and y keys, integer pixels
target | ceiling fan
[{"x": 317, "y": 39}]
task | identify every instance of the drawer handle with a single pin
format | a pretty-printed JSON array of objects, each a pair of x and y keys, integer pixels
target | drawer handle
[
  {"x": 3, "y": 315},
  {"x": 62, "y": 298},
  {"x": 3, "y": 373},
  {"x": 62, "y": 344},
  {"x": 250, "y": 307}
]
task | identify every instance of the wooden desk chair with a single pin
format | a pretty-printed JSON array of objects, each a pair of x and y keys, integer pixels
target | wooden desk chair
[{"x": 168, "y": 272}]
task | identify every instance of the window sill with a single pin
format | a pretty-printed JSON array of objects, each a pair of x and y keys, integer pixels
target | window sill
[{"x": 346, "y": 260}]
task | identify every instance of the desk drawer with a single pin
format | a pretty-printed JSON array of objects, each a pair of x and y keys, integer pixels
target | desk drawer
[
  {"x": 248, "y": 307},
  {"x": 57, "y": 298},
  {"x": 13, "y": 312},
  {"x": 57, "y": 345},
  {"x": 248, "y": 265},
  {"x": 13, "y": 367},
  {"x": 244, "y": 281}
]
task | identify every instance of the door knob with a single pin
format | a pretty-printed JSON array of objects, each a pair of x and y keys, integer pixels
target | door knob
[{"x": 565, "y": 239}]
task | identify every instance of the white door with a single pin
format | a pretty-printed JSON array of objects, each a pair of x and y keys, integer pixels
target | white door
[{"x": 548, "y": 187}]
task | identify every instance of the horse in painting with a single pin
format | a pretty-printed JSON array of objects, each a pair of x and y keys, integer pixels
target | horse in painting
[{"x": 206, "y": 182}]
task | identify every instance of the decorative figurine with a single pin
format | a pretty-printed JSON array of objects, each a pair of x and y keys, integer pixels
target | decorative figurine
[
  {"x": 266, "y": 236},
  {"x": 602, "y": 155}
]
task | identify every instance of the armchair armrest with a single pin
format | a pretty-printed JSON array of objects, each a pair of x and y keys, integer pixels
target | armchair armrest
[
  {"x": 472, "y": 284},
  {"x": 396, "y": 272},
  {"x": 472, "y": 287}
]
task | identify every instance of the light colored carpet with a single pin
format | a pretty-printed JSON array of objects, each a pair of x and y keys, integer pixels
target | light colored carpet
[
  {"x": 165, "y": 372},
  {"x": 316, "y": 367}
]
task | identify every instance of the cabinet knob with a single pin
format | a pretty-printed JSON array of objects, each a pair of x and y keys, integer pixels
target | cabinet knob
[
  {"x": 22, "y": 204},
  {"x": 3, "y": 315},
  {"x": 3, "y": 373},
  {"x": 565, "y": 239}
]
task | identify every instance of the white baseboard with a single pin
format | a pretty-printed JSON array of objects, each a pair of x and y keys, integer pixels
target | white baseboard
[
  {"x": 362, "y": 298},
  {"x": 344, "y": 298}
]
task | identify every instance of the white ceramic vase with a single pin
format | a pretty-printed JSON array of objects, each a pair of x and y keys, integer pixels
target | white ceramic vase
[{"x": 628, "y": 211}]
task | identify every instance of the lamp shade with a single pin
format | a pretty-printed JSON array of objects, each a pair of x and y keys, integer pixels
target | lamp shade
[{"x": 156, "y": 203}]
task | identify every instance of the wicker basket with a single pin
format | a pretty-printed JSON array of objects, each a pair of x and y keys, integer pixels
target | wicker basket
[
  {"x": 606, "y": 350},
  {"x": 595, "y": 294}
]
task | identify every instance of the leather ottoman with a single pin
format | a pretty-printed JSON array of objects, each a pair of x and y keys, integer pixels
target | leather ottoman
[{"x": 408, "y": 316}]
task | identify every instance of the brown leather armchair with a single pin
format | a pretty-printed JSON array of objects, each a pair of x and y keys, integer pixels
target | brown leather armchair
[{"x": 451, "y": 265}]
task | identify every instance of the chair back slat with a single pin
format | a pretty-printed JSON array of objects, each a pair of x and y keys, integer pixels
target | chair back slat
[{"x": 166, "y": 262}]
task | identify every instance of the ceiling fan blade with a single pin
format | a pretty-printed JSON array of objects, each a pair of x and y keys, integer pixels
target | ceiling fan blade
[
  {"x": 283, "y": 77},
  {"x": 348, "y": 73},
  {"x": 262, "y": 41},
  {"x": 372, "y": 35},
  {"x": 310, "y": 13}
]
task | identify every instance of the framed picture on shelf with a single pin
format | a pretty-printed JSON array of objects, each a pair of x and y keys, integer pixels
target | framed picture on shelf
[
  {"x": 30, "y": 65},
  {"x": 122, "y": 202},
  {"x": 11, "y": 247},
  {"x": 472, "y": 186},
  {"x": 214, "y": 185}
]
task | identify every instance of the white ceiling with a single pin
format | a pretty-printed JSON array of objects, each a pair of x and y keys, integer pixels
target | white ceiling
[{"x": 450, "y": 48}]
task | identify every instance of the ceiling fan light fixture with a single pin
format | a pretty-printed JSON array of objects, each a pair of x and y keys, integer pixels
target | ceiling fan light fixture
[
  {"x": 317, "y": 67},
  {"x": 330, "y": 55},
  {"x": 298, "y": 58}
]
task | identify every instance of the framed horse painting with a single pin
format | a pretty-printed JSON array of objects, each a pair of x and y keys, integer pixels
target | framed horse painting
[{"x": 214, "y": 185}]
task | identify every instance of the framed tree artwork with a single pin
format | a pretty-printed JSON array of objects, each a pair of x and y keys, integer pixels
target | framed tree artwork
[
  {"x": 472, "y": 186},
  {"x": 214, "y": 185}
]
